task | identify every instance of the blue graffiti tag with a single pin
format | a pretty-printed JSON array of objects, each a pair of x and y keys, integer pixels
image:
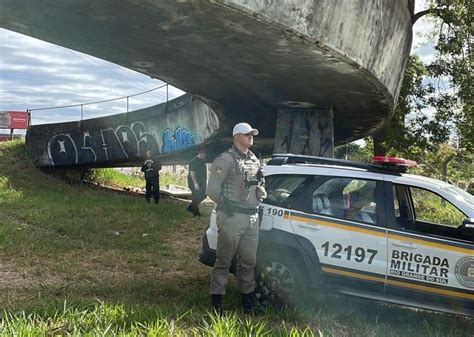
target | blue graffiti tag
[{"x": 179, "y": 140}]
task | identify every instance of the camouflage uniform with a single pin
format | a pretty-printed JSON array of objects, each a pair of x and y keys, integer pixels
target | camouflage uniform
[{"x": 236, "y": 185}]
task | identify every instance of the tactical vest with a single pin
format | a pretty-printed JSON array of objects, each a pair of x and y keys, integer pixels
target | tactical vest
[{"x": 241, "y": 182}]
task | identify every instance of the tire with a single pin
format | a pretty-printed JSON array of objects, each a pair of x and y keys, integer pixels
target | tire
[{"x": 280, "y": 282}]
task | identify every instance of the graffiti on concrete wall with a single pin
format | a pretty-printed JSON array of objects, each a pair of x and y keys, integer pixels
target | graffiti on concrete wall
[
  {"x": 326, "y": 139},
  {"x": 101, "y": 145},
  {"x": 304, "y": 131},
  {"x": 124, "y": 138},
  {"x": 179, "y": 140}
]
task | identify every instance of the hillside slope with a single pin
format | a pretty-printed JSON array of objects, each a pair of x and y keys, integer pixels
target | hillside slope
[{"x": 78, "y": 242}]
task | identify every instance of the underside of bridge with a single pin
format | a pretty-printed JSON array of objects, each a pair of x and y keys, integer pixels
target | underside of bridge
[{"x": 307, "y": 73}]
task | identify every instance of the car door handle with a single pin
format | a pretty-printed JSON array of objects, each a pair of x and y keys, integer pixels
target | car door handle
[
  {"x": 405, "y": 244},
  {"x": 305, "y": 225}
]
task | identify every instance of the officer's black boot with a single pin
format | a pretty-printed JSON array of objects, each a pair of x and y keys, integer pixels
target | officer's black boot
[
  {"x": 216, "y": 304},
  {"x": 196, "y": 211},
  {"x": 193, "y": 208},
  {"x": 251, "y": 305}
]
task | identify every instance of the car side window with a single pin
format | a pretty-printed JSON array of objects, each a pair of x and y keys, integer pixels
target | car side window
[
  {"x": 430, "y": 207},
  {"x": 282, "y": 190},
  {"x": 346, "y": 198},
  {"x": 423, "y": 211}
]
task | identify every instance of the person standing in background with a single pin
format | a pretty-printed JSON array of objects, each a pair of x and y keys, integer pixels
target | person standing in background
[
  {"x": 151, "y": 170},
  {"x": 197, "y": 180}
]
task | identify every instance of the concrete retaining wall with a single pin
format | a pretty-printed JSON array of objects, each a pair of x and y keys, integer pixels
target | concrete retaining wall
[{"x": 168, "y": 128}]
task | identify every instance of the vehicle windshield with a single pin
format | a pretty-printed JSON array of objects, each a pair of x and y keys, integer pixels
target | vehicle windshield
[{"x": 461, "y": 194}]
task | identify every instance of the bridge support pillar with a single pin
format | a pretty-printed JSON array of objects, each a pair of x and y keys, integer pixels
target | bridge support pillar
[{"x": 305, "y": 131}]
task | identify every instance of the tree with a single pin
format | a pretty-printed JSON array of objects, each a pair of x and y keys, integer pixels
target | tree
[
  {"x": 445, "y": 163},
  {"x": 450, "y": 110},
  {"x": 455, "y": 31},
  {"x": 354, "y": 151},
  {"x": 406, "y": 129}
]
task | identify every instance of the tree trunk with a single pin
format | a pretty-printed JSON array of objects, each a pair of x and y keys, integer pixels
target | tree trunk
[
  {"x": 411, "y": 7},
  {"x": 444, "y": 167},
  {"x": 379, "y": 149}
]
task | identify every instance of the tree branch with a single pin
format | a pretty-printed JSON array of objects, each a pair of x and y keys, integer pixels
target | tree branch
[{"x": 418, "y": 15}]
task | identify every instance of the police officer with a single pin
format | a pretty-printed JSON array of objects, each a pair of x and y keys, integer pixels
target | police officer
[
  {"x": 151, "y": 170},
  {"x": 197, "y": 179},
  {"x": 236, "y": 185}
]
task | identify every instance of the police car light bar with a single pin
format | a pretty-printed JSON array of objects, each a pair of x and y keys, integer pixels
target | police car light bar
[
  {"x": 380, "y": 164},
  {"x": 393, "y": 161}
]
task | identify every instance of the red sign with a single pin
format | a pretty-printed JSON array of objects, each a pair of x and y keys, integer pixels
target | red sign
[
  {"x": 14, "y": 119},
  {"x": 18, "y": 120}
]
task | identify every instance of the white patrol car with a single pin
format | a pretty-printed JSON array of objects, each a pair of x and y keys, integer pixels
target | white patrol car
[{"x": 361, "y": 229}]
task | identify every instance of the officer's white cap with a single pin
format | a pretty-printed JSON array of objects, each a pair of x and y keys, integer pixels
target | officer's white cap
[{"x": 244, "y": 128}]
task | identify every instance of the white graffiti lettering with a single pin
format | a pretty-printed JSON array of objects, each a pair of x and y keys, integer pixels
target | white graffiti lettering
[{"x": 101, "y": 145}]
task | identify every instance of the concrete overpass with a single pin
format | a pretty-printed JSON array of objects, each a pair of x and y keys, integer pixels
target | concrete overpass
[{"x": 308, "y": 73}]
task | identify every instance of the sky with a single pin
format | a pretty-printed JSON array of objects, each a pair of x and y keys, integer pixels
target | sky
[{"x": 36, "y": 74}]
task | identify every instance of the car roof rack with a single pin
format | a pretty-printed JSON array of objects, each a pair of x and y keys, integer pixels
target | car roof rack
[{"x": 289, "y": 158}]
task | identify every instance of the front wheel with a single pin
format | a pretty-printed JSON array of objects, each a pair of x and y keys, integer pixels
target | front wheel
[{"x": 281, "y": 282}]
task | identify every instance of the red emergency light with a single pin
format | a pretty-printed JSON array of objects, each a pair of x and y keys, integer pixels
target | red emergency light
[{"x": 393, "y": 161}]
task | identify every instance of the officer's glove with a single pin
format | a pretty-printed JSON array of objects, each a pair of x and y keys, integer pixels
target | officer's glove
[
  {"x": 261, "y": 193},
  {"x": 196, "y": 186}
]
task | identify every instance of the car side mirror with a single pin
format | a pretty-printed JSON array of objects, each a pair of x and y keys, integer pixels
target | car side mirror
[{"x": 467, "y": 227}]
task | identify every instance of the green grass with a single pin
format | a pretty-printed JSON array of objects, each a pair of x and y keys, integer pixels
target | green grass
[
  {"x": 114, "y": 319},
  {"x": 167, "y": 178},
  {"x": 114, "y": 178},
  {"x": 77, "y": 260}
]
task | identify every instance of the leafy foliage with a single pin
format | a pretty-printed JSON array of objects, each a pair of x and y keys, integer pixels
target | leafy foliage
[
  {"x": 432, "y": 208},
  {"x": 435, "y": 101},
  {"x": 355, "y": 152},
  {"x": 443, "y": 162},
  {"x": 454, "y": 30},
  {"x": 434, "y": 124}
]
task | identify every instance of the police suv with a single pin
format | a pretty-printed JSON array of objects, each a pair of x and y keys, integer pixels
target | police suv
[{"x": 367, "y": 230}]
